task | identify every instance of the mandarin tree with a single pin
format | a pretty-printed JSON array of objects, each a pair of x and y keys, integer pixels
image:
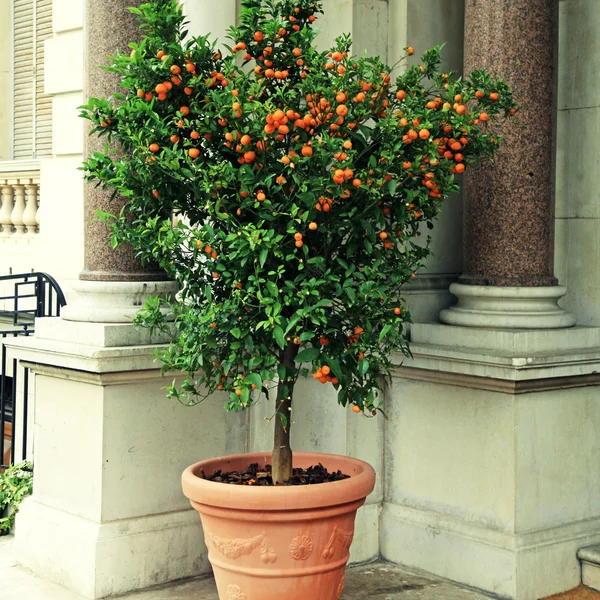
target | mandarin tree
[{"x": 301, "y": 178}]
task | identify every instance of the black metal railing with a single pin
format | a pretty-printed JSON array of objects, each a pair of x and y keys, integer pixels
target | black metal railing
[{"x": 23, "y": 298}]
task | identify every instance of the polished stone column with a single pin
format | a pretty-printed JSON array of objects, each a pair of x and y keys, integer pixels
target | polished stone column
[
  {"x": 114, "y": 284},
  {"x": 508, "y": 278},
  {"x": 109, "y": 27}
]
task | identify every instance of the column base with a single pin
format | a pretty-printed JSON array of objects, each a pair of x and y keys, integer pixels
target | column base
[
  {"x": 98, "y": 560},
  {"x": 508, "y": 307},
  {"x": 113, "y": 301}
]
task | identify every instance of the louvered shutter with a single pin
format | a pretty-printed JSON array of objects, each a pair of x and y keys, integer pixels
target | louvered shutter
[{"x": 32, "y": 137}]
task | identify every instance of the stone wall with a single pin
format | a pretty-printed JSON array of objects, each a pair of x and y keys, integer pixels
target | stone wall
[{"x": 577, "y": 170}]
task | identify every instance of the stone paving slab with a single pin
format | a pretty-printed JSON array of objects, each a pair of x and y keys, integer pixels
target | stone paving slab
[{"x": 375, "y": 581}]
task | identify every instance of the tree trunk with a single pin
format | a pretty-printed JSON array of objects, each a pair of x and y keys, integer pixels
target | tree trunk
[{"x": 282, "y": 451}]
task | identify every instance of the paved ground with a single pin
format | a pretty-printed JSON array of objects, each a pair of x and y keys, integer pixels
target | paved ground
[{"x": 377, "y": 581}]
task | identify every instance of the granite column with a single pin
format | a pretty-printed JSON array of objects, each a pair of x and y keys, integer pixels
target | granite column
[
  {"x": 113, "y": 281},
  {"x": 508, "y": 278}
]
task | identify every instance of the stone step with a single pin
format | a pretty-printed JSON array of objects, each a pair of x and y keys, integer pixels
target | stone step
[{"x": 590, "y": 566}]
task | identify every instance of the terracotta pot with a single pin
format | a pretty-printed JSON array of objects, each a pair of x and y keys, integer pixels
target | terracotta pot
[{"x": 276, "y": 543}]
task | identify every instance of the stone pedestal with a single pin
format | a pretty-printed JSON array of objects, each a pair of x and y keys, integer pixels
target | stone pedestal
[
  {"x": 492, "y": 457},
  {"x": 108, "y": 515}
]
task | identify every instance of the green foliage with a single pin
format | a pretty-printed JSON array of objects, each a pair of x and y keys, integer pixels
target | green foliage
[
  {"x": 302, "y": 181},
  {"x": 15, "y": 484}
]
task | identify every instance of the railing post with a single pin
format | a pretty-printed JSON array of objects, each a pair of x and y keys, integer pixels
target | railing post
[
  {"x": 18, "y": 209},
  {"x": 6, "y": 211},
  {"x": 31, "y": 208}
]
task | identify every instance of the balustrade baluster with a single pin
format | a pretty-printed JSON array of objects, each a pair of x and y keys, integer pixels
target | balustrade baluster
[
  {"x": 6, "y": 210},
  {"x": 31, "y": 208},
  {"x": 18, "y": 209}
]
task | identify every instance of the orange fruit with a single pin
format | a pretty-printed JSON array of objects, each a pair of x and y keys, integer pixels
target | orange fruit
[
  {"x": 483, "y": 117},
  {"x": 154, "y": 147},
  {"x": 312, "y": 226},
  {"x": 307, "y": 150},
  {"x": 246, "y": 140},
  {"x": 356, "y": 408},
  {"x": 397, "y": 310},
  {"x": 194, "y": 152},
  {"x": 259, "y": 36},
  {"x": 194, "y": 135},
  {"x": 174, "y": 139}
]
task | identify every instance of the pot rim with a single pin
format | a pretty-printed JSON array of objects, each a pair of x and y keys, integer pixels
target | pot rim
[{"x": 201, "y": 491}]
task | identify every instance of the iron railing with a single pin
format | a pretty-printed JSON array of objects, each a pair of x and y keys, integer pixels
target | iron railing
[{"x": 23, "y": 298}]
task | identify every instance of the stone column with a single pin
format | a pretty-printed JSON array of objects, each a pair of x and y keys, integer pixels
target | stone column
[
  {"x": 508, "y": 278},
  {"x": 113, "y": 283}
]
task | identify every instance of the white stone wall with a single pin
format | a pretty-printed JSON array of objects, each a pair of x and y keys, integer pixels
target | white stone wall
[
  {"x": 58, "y": 248},
  {"x": 578, "y": 163}
]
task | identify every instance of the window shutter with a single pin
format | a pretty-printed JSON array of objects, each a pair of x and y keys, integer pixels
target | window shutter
[{"x": 32, "y": 137}]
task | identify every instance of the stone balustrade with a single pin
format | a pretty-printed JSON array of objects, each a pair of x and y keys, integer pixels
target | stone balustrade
[{"x": 19, "y": 198}]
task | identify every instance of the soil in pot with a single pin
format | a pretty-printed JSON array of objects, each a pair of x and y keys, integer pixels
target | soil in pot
[{"x": 254, "y": 475}]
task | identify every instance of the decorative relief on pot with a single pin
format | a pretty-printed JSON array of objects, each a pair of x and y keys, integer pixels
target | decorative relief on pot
[
  {"x": 344, "y": 537},
  {"x": 235, "y": 593},
  {"x": 341, "y": 587},
  {"x": 234, "y": 549},
  {"x": 301, "y": 547}
]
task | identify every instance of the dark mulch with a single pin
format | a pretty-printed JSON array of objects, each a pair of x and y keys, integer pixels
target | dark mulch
[{"x": 255, "y": 476}]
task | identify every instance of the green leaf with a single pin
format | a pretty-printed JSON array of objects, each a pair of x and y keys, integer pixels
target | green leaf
[
  {"x": 254, "y": 379},
  {"x": 236, "y": 332},
  {"x": 263, "y": 256},
  {"x": 279, "y": 337},
  {"x": 308, "y": 354},
  {"x": 363, "y": 367},
  {"x": 384, "y": 332}
]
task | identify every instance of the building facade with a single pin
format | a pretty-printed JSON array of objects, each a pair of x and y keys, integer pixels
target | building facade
[{"x": 488, "y": 463}]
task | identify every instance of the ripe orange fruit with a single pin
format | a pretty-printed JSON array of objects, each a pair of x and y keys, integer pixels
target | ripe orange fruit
[
  {"x": 479, "y": 94},
  {"x": 249, "y": 156},
  {"x": 312, "y": 226},
  {"x": 397, "y": 310},
  {"x": 194, "y": 135},
  {"x": 348, "y": 145},
  {"x": 299, "y": 244},
  {"x": 460, "y": 167},
  {"x": 298, "y": 236},
  {"x": 260, "y": 196},
  {"x": 246, "y": 140},
  {"x": 357, "y": 183},
  {"x": 406, "y": 165},
  {"x": 259, "y": 36},
  {"x": 341, "y": 110},
  {"x": 155, "y": 193},
  {"x": 141, "y": 93},
  {"x": 188, "y": 91},
  {"x": 190, "y": 67},
  {"x": 494, "y": 96},
  {"x": 424, "y": 134},
  {"x": 410, "y": 51},
  {"x": 461, "y": 109},
  {"x": 148, "y": 96},
  {"x": 356, "y": 408},
  {"x": 307, "y": 150},
  {"x": 194, "y": 152},
  {"x": 325, "y": 370},
  {"x": 383, "y": 235},
  {"x": 483, "y": 117},
  {"x": 154, "y": 147},
  {"x": 184, "y": 110},
  {"x": 160, "y": 54},
  {"x": 175, "y": 70},
  {"x": 174, "y": 139}
]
